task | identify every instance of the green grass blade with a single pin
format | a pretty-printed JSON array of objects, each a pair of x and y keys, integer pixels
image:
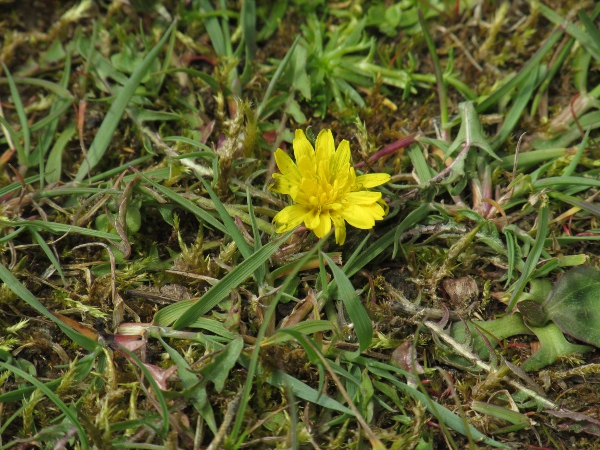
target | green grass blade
[
  {"x": 564, "y": 182},
  {"x": 213, "y": 28},
  {"x": 516, "y": 111},
  {"x": 54, "y": 398},
  {"x": 186, "y": 204},
  {"x": 59, "y": 90},
  {"x": 306, "y": 328},
  {"x": 49, "y": 253},
  {"x": 301, "y": 390},
  {"x": 189, "y": 142},
  {"x": 164, "y": 409},
  {"x": 49, "y": 132},
  {"x": 532, "y": 258},
  {"x": 230, "y": 281},
  {"x": 54, "y": 163},
  {"x": 14, "y": 92},
  {"x": 531, "y": 158},
  {"x": 574, "y": 201},
  {"x": 210, "y": 81},
  {"x": 24, "y": 294},
  {"x": 510, "y": 253},
  {"x": 586, "y": 39},
  {"x": 232, "y": 229},
  {"x": 17, "y": 185},
  {"x": 282, "y": 66},
  {"x": 524, "y": 74},
  {"x": 166, "y": 63},
  {"x": 191, "y": 383},
  {"x": 14, "y": 137},
  {"x": 123, "y": 167},
  {"x": 592, "y": 31},
  {"x": 570, "y": 169},
  {"x": 385, "y": 241},
  {"x": 253, "y": 364},
  {"x": 441, "y": 85},
  {"x": 55, "y": 227},
  {"x": 443, "y": 414},
  {"x": 422, "y": 169},
  {"x": 248, "y": 23},
  {"x": 261, "y": 272},
  {"x": 113, "y": 116},
  {"x": 356, "y": 311}
]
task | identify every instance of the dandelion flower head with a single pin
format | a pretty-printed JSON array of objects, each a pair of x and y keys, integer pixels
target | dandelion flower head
[{"x": 325, "y": 189}]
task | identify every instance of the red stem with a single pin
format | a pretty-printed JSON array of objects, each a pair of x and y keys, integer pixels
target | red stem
[{"x": 390, "y": 148}]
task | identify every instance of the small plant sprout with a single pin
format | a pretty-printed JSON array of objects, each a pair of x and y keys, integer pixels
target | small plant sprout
[{"x": 325, "y": 189}]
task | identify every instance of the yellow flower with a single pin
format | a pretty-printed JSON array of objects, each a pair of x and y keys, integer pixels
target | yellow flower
[{"x": 325, "y": 189}]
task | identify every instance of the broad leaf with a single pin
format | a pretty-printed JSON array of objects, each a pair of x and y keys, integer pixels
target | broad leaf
[{"x": 573, "y": 305}]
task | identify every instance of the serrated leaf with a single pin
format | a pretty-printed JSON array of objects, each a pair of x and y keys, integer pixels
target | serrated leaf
[{"x": 471, "y": 131}]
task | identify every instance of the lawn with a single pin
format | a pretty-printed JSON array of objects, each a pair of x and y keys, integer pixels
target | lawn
[{"x": 299, "y": 224}]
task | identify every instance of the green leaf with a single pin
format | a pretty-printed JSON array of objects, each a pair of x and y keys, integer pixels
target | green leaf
[
  {"x": 585, "y": 37},
  {"x": 357, "y": 312},
  {"x": 573, "y": 305},
  {"x": 494, "y": 331},
  {"x": 471, "y": 131},
  {"x": 218, "y": 369},
  {"x": 261, "y": 272},
  {"x": 423, "y": 170},
  {"x": 553, "y": 346},
  {"x": 520, "y": 420}
]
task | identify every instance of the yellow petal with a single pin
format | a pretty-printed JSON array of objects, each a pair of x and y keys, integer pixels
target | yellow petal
[
  {"x": 362, "y": 197},
  {"x": 290, "y": 217},
  {"x": 283, "y": 185},
  {"x": 302, "y": 148},
  {"x": 286, "y": 166},
  {"x": 312, "y": 219},
  {"x": 306, "y": 167},
  {"x": 340, "y": 228},
  {"x": 358, "y": 216},
  {"x": 325, "y": 149},
  {"x": 376, "y": 210},
  {"x": 371, "y": 180},
  {"x": 342, "y": 156},
  {"x": 324, "y": 225}
]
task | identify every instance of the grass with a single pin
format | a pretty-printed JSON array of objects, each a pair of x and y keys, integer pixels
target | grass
[{"x": 147, "y": 300}]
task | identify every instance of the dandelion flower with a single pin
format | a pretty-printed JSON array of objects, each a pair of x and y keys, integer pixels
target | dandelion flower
[{"x": 325, "y": 189}]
